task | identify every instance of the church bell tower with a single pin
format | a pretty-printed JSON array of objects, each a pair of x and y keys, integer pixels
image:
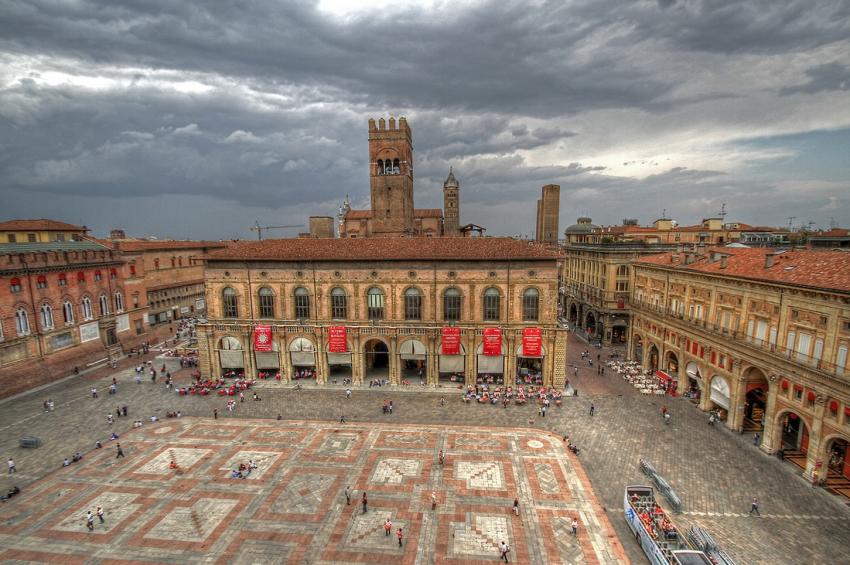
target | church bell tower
[
  {"x": 451, "y": 205},
  {"x": 391, "y": 177}
]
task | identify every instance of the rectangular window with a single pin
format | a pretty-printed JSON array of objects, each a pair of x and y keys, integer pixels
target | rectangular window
[
  {"x": 622, "y": 286},
  {"x": 12, "y": 238},
  {"x": 412, "y": 307},
  {"x": 266, "y": 306},
  {"x": 339, "y": 307},
  {"x": 804, "y": 343},
  {"x": 491, "y": 308},
  {"x": 31, "y": 238},
  {"x": 60, "y": 237},
  {"x": 530, "y": 307},
  {"x": 375, "y": 303},
  {"x": 761, "y": 331},
  {"x": 230, "y": 307},
  {"x": 302, "y": 306},
  {"x": 451, "y": 308}
]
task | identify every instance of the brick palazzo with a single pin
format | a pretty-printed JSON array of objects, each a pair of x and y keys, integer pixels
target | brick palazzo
[{"x": 292, "y": 508}]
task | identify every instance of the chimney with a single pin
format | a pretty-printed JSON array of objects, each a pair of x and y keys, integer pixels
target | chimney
[
  {"x": 689, "y": 258},
  {"x": 701, "y": 249},
  {"x": 680, "y": 248},
  {"x": 769, "y": 260},
  {"x": 723, "y": 261}
]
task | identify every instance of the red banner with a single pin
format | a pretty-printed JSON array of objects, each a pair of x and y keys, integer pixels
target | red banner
[
  {"x": 451, "y": 341},
  {"x": 492, "y": 341},
  {"x": 262, "y": 338},
  {"x": 337, "y": 339},
  {"x": 532, "y": 342}
]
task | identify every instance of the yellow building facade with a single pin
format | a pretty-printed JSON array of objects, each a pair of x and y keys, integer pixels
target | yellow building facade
[
  {"x": 395, "y": 299},
  {"x": 760, "y": 336}
]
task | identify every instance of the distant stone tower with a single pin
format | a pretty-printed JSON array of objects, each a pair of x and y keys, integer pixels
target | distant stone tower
[
  {"x": 451, "y": 205},
  {"x": 548, "y": 212},
  {"x": 391, "y": 177}
]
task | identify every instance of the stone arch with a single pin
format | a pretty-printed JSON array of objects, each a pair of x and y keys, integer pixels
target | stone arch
[
  {"x": 376, "y": 358},
  {"x": 791, "y": 433},
  {"x": 413, "y": 359},
  {"x": 757, "y": 387},
  {"x": 653, "y": 356},
  {"x": 230, "y": 342},
  {"x": 636, "y": 348},
  {"x": 573, "y": 313},
  {"x": 671, "y": 363},
  {"x": 836, "y": 456}
]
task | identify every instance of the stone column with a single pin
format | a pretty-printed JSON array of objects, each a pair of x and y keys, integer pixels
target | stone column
[
  {"x": 248, "y": 356},
  {"x": 735, "y": 419},
  {"x": 432, "y": 361},
  {"x": 816, "y": 439},
  {"x": 288, "y": 368},
  {"x": 394, "y": 362},
  {"x": 322, "y": 367},
  {"x": 470, "y": 364},
  {"x": 357, "y": 361},
  {"x": 767, "y": 435},
  {"x": 510, "y": 359}
]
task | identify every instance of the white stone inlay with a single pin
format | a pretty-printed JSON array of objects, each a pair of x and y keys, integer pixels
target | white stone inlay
[
  {"x": 183, "y": 456},
  {"x": 263, "y": 459},
  {"x": 393, "y": 471},
  {"x": 535, "y": 444},
  {"x": 116, "y": 507},
  {"x": 480, "y": 474},
  {"x": 192, "y": 523},
  {"x": 480, "y": 537}
]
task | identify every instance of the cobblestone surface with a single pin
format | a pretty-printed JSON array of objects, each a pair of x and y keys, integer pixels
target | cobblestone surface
[{"x": 715, "y": 472}]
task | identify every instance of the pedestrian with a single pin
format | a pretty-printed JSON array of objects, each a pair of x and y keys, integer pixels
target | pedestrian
[
  {"x": 124, "y": 410},
  {"x": 99, "y": 512},
  {"x": 399, "y": 534},
  {"x": 342, "y": 419},
  {"x": 347, "y": 495},
  {"x": 516, "y": 506},
  {"x": 364, "y": 502},
  {"x": 120, "y": 452},
  {"x": 574, "y": 526},
  {"x": 442, "y": 401},
  {"x": 12, "y": 468},
  {"x": 241, "y": 396},
  {"x": 592, "y": 409},
  {"x": 94, "y": 392},
  {"x": 663, "y": 410},
  {"x": 89, "y": 520},
  {"x": 215, "y": 414},
  {"x": 348, "y": 393},
  {"x": 433, "y": 500},
  {"x": 504, "y": 550},
  {"x": 575, "y": 371},
  {"x": 109, "y": 419},
  {"x": 388, "y": 527},
  {"x": 754, "y": 507},
  {"x": 756, "y": 439},
  {"x": 45, "y": 406},
  {"x": 441, "y": 458}
]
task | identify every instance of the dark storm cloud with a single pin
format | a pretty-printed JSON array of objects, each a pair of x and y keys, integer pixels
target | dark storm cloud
[{"x": 257, "y": 103}]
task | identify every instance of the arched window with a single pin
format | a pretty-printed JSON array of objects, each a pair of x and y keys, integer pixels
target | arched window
[
  {"x": 46, "y": 316},
  {"x": 98, "y": 275},
  {"x": 412, "y": 304},
  {"x": 451, "y": 305},
  {"x": 229, "y": 302},
  {"x": 530, "y": 305},
  {"x": 104, "y": 305},
  {"x": 492, "y": 305},
  {"x": 266, "y": 302},
  {"x": 41, "y": 281},
  {"x": 68, "y": 312},
  {"x": 380, "y": 166},
  {"x": 119, "y": 302},
  {"x": 375, "y": 303},
  {"x": 87, "y": 310},
  {"x": 302, "y": 303},
  {"x": 63, "y": 279},
  {"x": 22, "y": 322},
  {"x": 339, "y": 304},
  {"x": 15, "y": 284},
  {"x": 81, "y": 277},
  {"x": 395, "y": 166}
]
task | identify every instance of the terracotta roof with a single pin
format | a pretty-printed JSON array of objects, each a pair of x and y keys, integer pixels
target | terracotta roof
[
  {"x": 417, "y": 213},
  {"x": 163, "y": 245},
  {"x": 386, "y": 249},
  {"x": 835, "y": 232},
  {"x": 428, "y": 213},
  {"x": 39, "y": 225},
  {"x": 358, "y": 214},
  {"x": 809, "y": 268}
]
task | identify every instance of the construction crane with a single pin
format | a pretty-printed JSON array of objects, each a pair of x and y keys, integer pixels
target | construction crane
[{"x": 259, "y": 229}]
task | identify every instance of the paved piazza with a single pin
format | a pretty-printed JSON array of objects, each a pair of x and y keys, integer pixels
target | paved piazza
[
  {"x": 292, "y": 509},
  {"x": 714, "y": 471}
]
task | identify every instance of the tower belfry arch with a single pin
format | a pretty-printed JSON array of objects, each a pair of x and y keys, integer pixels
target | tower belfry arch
[{"x": 391, "y": 177}]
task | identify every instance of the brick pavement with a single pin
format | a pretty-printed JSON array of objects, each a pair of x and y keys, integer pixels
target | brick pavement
[{"x": 715, "y": 472}]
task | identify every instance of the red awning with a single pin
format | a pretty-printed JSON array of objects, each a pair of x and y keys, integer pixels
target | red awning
[{"x": 664, "y": 377}]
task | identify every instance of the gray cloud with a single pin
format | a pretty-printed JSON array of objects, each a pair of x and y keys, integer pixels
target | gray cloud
[{"x": 260, "y": 108}]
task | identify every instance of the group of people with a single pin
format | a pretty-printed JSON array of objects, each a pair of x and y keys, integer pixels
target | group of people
[
  {"x": 244, "y": 470},
  {"x": 74, "y": 458},
  {"x": 483, "y": 394}
]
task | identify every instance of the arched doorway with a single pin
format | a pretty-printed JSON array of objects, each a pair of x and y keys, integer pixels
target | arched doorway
[
  {"x": 637, "y": 348},
  {"x": 838, "y": 460},
  {"x": 653, "y": 357},
  {"x": 377, "y": 360},
  {"x": 529, "y": 370},
  {"x": 755, "y": 403},
  {"x": 302, "y": 354},
  {"x": 451, "y": 369},
  {"x": 793, "y": 438},
  {"x": 267, "y": 363},
  {"x": 694, "y": 391},
  {"x": 590, "y": 325},
  {"x": 339, "y": 364},
  {"x": 573, "y": 315},
  {"x": 671, "y": 365},
  {"x": 619, "y": 329},
  {"x": 231, "y": 358},
  {"x": 491, "y": 368},
  {"x": 414, "y": 363},
  {"x": 719, "y": 396}
]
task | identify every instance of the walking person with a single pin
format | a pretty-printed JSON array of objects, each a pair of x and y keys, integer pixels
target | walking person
[
  {"x": 399, "y": 534},
  {"x": 592, "y": 409},
  {"x": 99, "y": 512},
  {"x": 89, "y": 520},
  {"x": 504, "y": 550},
  {"x": 342, "y": 419},
  {"x": 347, "y": 495},
  {"x": 574, "y": 526},
  {"x": 388, "y": 527},
  {"x": 119, "y": 451},
  {"x": 754, "y": 507},
  {"x": 364, "y": 502},
  {"x": 756, "y": 439},
  {"x": 12, "y": 468},
  {"x": 516, "y": 506},
  {"x": 348, "y": 393},
  {"x": 433, "y": 500},
  {"x": 215, "y": 414}
]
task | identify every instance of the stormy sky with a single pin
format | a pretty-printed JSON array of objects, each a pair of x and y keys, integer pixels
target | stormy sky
[{"x": 195, "y": 119}]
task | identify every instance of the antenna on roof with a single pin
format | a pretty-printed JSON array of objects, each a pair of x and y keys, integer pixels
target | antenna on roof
[
  {"x": 722, "y": 212},
  {"x": 791, "y": 222},
  {"x": 832, "y": 223},
  {"x": 664, "y": 214}
]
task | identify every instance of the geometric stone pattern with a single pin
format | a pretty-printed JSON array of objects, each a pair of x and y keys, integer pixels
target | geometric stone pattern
[{"x": 291, "y": 508}]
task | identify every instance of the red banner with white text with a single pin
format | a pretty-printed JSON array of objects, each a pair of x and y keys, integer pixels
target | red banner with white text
[
  {"x": 451, "y": 341},
  {"x": 262, "y": 338},
  {"x": 532, "y": 342},
  {"x": 337, "y": 339},
  {"x": 492, "y": 341}
]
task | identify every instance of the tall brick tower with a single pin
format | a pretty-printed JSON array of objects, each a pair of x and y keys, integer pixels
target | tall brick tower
[
  {"x": 451, "y": 205},
  {"x": 391, "y": 177},
  {"x": 548, "y": 212}
]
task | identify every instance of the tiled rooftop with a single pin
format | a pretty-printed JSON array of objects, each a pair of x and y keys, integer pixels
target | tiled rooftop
[
  {"x": 163, "y": 245},
  {"x": 39, "y": 225},
  {"x": 808, "y": 268},
  {"x": 15, "y": 248},
  {"x": 387, "y": 249},
  {"x": 417, "y": 213}
]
